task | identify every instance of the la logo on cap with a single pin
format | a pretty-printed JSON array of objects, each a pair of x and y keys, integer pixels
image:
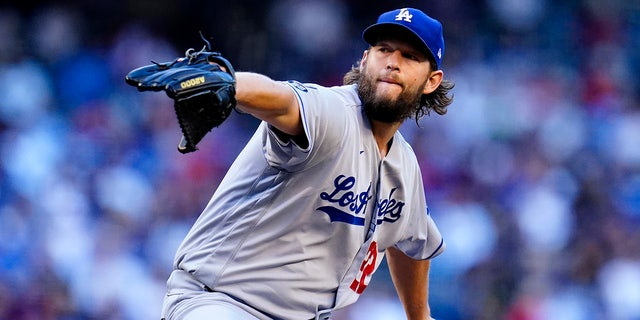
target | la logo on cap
[{"x": 404, "y": 15}]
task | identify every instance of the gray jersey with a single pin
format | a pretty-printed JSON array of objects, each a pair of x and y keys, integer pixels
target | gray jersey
[{"x": 292, "y": 229}]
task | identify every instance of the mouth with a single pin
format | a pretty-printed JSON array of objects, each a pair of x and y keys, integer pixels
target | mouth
[
  {"x": 389, "y": 80},
  {"x": 388, "y": 77}
]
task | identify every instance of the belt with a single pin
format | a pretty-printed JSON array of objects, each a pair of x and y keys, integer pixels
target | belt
[{"x": 324, "y": 314}]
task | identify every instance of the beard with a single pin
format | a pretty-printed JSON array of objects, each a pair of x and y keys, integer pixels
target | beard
[{"x": 383, "y": 109}]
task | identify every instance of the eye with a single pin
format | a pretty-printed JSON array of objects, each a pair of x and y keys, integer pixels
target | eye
[{"x": 411, "y": 56}]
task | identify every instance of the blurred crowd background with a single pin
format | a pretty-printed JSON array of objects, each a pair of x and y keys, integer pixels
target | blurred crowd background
[{"x": 533, "y": 176}]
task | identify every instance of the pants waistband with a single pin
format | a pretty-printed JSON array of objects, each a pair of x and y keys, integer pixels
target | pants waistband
[
  {"x": 323, "y": 314},
  {"x": 184, "y": 279}
]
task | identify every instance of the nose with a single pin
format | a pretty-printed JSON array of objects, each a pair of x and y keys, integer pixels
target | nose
[{"x": 393, "y": 60}]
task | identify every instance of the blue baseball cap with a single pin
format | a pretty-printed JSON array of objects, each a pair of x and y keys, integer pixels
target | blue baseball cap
[{"x": 425, "y": 28}]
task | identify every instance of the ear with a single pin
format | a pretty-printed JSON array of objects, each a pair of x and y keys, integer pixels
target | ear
[
  {"x": 364, "y": 58},
  {"x": 435, "y": 78}
]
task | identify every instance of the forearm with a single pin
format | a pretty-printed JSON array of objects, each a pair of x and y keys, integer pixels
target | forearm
[
  {"x": 268, "y": 100},
  {"x": 411, "y": 280}
]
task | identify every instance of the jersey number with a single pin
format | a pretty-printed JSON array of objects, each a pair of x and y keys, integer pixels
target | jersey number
[{"x": 366, "y": 269}]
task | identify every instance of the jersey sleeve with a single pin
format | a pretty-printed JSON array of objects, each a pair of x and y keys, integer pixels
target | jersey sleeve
[
  {"x": 427, "y": 243},
  {"x": 325, "y": 118}
]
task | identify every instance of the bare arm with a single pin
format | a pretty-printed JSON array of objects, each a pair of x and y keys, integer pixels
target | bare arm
[
  {"x": 269, "y": 100},
  {"x": 411, "y": 279}
]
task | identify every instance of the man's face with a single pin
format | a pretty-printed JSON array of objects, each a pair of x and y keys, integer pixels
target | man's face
[{"x": 392, "y": 80}]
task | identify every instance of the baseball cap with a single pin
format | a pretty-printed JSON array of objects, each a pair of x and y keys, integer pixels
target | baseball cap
[{"x": 427, "y": 29}]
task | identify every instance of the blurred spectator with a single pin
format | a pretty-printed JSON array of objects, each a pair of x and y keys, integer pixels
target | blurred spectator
[{"x": 533, "y": 176}]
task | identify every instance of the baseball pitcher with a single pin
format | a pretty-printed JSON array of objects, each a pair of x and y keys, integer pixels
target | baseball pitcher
[{"x": 323, "y": 191}]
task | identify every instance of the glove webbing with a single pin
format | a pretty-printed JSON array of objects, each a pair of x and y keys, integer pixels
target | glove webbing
[{"x": 196, "y": 109}]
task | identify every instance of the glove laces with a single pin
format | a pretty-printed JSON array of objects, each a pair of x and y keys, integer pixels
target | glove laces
[{"x": 191, "y": 53}]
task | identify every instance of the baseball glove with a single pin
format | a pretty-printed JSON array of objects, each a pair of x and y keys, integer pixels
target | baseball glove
[{"x": 203, "y": 92}]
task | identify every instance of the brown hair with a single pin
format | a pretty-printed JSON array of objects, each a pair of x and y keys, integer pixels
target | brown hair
[{"x": 437, "y": 100}]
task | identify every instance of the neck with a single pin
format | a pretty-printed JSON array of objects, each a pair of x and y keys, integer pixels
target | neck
[{"x": 383, "y": 133}]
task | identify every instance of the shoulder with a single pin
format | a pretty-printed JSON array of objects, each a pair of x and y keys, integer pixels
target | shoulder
[
  {"x": 405, "y": 154},
  {"x": 346, "y": 93},
  {"x": 406, "y": 150}
]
